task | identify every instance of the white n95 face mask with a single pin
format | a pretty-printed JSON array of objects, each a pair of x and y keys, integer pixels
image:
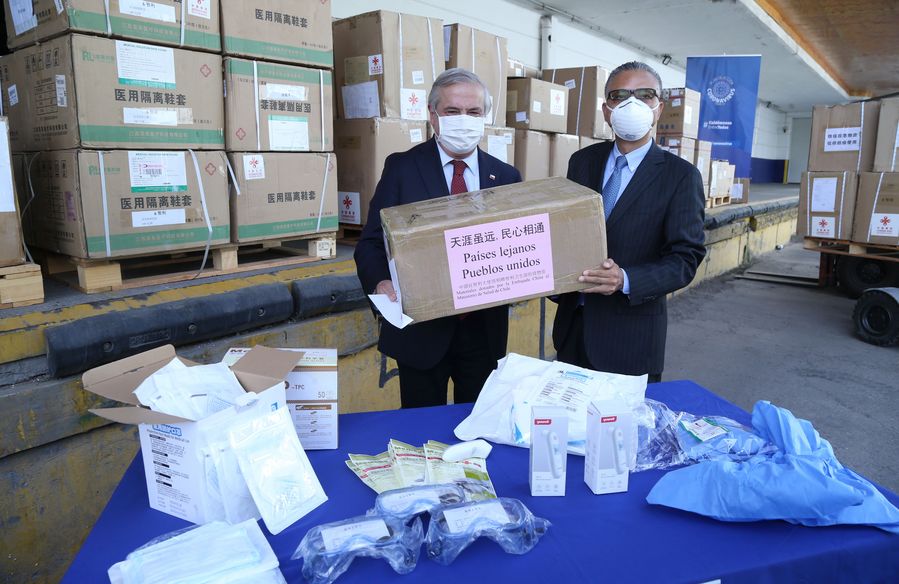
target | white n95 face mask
[
  {"x": 460, "y": 134},
  {"x": 632, "y": 119}
]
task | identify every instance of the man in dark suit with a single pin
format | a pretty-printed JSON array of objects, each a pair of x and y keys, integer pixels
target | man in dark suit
[
  {"x": 464, "y": 348},
  {"x": 654, "y": 207}
]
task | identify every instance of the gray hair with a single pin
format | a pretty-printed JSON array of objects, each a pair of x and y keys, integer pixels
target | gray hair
[
  {"x": 633, "y": 66},
  {"x": 455, "y": 76}
]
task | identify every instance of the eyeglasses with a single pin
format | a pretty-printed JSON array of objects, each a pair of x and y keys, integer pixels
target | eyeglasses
[{"x": 642, "y": 93}]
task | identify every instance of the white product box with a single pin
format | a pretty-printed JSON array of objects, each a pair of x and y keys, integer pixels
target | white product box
[
  {"x": 610, "y": 439},
  {"x": 549, "y": 450}
]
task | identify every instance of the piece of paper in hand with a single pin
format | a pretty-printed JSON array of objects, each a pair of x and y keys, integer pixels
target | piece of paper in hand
[{"x": 391, "y": 311}]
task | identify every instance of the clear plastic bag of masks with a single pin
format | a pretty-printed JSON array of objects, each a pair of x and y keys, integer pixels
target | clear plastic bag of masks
[
  {"x": 214, "y": 552},
  {"x": 275, "y": 467},
  {"x": 328, "y": 550},
  {"x": 506, "y": 521}
]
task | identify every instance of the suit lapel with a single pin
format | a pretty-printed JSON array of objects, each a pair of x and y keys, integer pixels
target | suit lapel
[
  {"x": 648, "y": 170},
  {"x": 595, "y": 170},
  {"x": 431, "y": 170},
  {"x": 486, "y": 173}
]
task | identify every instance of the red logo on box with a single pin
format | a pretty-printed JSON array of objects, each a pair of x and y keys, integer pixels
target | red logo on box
[
  {"x": 607, "y": 419},
  {"x": 210, "y": 169},
  {"x": 347, "y": 202},
  {"x": 240, "y": 134},
  {"x": 542, "y": 421},
  {"x": 205, "y": 70}
]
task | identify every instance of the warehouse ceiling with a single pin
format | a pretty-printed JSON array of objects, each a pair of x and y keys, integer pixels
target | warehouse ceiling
[{"x": 813, "y": 51}]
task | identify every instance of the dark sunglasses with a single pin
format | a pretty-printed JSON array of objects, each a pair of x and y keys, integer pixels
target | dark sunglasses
[{"x": 642, "y": 93}]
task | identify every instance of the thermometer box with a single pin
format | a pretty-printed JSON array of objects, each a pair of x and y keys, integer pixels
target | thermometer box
[
  {"x": 549, "y": 450},
  {"x": 610, "y": 439}
]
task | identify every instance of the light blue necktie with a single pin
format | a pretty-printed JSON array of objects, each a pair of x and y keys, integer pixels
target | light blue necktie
[{"x": 610, "y": 191}]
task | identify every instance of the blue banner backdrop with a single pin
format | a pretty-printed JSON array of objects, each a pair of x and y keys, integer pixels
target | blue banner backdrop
[{"x": 729, "y": 87}]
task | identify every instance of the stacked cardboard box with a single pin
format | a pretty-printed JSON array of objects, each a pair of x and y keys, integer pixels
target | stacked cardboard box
[
  {"x": 516, "y": 68},
  {"x": 680, "y": 116},
  {"x": 485, "y": 55},
  {"x": 702, "y": 159},
  {"x": 586, "y": 87},
  {"x": 679, "y": 146},
  {"x": 561, "y": 147},
  {"x": 876, "y": 218},
  {"x": 722, "y": 180}
]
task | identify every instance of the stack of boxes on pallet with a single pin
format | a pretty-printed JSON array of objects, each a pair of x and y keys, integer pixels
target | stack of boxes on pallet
[{"x": 538, "y": 111}]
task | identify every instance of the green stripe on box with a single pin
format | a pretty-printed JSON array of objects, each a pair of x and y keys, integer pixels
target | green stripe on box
[
  {"x": 91, "y": 133},
  {"x": 276, "y": 51},
  {"x": 93, "y": 21},
  {"x": 285, "y": 228},
  {"x": 148, "y": 84},
  {"x": 280, "y": 72},
  {"x": 126, "y": 241},
  {"x": 162, "y": 189}
]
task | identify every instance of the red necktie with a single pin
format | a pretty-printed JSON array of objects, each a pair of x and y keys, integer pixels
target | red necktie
[{"x": 457, "y": 186}]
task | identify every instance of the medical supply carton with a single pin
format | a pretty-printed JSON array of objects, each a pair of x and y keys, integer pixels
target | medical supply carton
[
  {"x": 586, "y": 94},
  {"x": 283, "y": 195},
  {"x": 548, "y": 463},
  {"x": 739, "y": 191},
  {"x": 499, "y": 142},
  {"x": 722, "y": 177},
  {"x": 11, "y": 250},
  {"x": 561, "y": 147},
  {"x": 827, "y": 204},
  {"x": 610, "y": 443},
  {"x": 844, "y": 137},
  {"x": 679, "y": 146},
  {"x": 532, "y": 154},
  {"x": 517, "y": 68},
  {"x": 877, "y": 209},
  {"x": 886, "y": 152},
  {"x": 680, "y": 116},
  {"x": 170, "y": 445},
  {"x": 495, "y": 246},
  {"x": 485, "y": 55},
  {"x": 702, "y": 159},
  {"x": 385, "y": 64},
  {"x": 533, "y": 104},
  {"x": 79, "y": 91}
]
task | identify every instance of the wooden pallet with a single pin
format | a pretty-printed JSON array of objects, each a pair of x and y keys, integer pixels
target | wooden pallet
[
  {"x": 712, "y": 202},
  {"x": 349, "y": 234},
  {"x": 851, "y": 248},
  {"x": 92, "y": 276},
  {"x": 21, "y": 285}
]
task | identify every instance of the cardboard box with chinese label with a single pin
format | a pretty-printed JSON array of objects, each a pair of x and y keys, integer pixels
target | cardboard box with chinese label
[
  {"x": 80, "y": 91},
  {"x": 886, "y": 152},
  {"x": 362, "y": 147},
  {"x": 532, "y": 154},
  {"x": 283, "y": 195},
  {"x": 193, "y": 24},
  {"x": 844, "y": 137},
  {"x": 485, "y": 55},
  {"x": 680, "y": 116},
  {"x": 151, "y": 202},
  {"x": 827, "y": 204},
  {"x": 491, "y": 247},
  {"x": 877, "y": 209},
  {"x": 499, "y": 142},
  {"x": 11, "y": 250},
  {"x": 702, "y": 159},
  {"x": 739, "y": 191},
  {"x": 516, "y": 68},
  {"x": 533, "y": 104},
  {"x": 586, "y": 87},
  {"x": 679, "y": 146},
  {"x": 385, "y": 64},
  {"x": 561, "y": 147},
  {"x": 291, "y": 31},
  {"x": 722, "y": 178},
  {"x": 272, "y": 107}
]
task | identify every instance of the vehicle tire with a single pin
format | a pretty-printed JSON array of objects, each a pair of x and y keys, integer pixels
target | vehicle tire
[
  {"x": 876, "y": 316},
  {"x": 857, "y": 274}
]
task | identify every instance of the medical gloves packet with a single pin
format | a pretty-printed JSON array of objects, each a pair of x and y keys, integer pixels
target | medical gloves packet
[{"x": 549, "y": 453}]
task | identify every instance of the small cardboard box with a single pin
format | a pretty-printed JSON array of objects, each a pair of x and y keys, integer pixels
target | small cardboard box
[
  {"x": 844, "y": 137},
  {"x": 170, "y": 445},
  {"x": 311, "y": 395},
  {"x": 739, "y": 191},
  {"x": 586, "y": 87},
  {"x": 283, "y": 195},
  {"x": 679, "y": 146},
  {"x": 877, "y": 209},
  {"x": 610, "y": 439},
  {"x": 886, "y": 152},
  {"x": 191, "y": 25},
  {"x": 150, "y": 200},
  {"x": 702, "y": 159},
  {"x": 680, "y": 116},
  {"x": 533, "y": 104},
  {"x": 271, "y": 107},
  {"x": 561, "y": 147},
  {"x": 485, "y": 248},
  {"x": 722, "y": 178},
  {"x": 827, "y": 204},
  {"x": 499, "y": 142},
  {"x": 532, "y": 154},
  {"x": 290, "y": 31},
  {"x": 485, "y": 55},
  {"x": 548, "y": 462},
  {"x": 79, "y": 91},
  {"x": 517, "y": 69},
  {"x": 362, "y": 147},
  {"x": 11, "y": 250},
  {"x": 385, "y": 63}
]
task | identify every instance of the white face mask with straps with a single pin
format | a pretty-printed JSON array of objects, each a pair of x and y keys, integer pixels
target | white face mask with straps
[
  {"x": 632, "y": 119},
  {"x": 460, "y": 134}
]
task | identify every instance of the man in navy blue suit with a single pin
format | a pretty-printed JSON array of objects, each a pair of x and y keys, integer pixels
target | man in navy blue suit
[
  {"x": 465, "y": 348},
  {"x": 654, "y": 206}
]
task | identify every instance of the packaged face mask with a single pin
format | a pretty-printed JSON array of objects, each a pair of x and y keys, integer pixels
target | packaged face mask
[
  {"x": 190, "y": 392},
  {"x": 408, "y": 462},
  {"x": 375, "y": 471}
]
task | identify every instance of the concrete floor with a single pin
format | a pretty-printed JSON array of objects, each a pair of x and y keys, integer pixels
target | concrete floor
[{"x": 795, "y": 347}]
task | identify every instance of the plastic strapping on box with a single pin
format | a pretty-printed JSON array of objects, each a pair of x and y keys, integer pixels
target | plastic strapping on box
[
  {"x": 256, "y": 100},
  {"x": 1, "y": 102},
  {"x": 473, "y": 59},
  {"x": 401, "y": 52},
  {"x": 895, "y": 148},
  {"x": 500, "y": 78},
  {"x": 28, "y": 204},
  {"x": 580, "y": 95},
  {"x": 842, "y": 198},
  {"x": 321, "y": 195},
  {"x": 193, "y": 156},
  {"x": 431, "y": 45},
  {"x": 861, "y": 136},
  {"x": 183, "y": 2},
  {"x": 321, "y": 95},
  {"x": 808, "y": 202},
  {"x": 231, "y": 173},
  {"x": 104, "y": 199},
  {"x": 874, "y": 208},
  {"x": 108, "y": 23}
]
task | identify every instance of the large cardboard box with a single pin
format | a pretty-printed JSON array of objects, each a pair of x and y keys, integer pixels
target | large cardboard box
[
  {"x": 561, "y": 147},
  {"x": 292, "y": 31},
  {"x": 844, "y": 137},
  {"x": 385, "y": 64},
  {"x": 491, "y": 247},
  {"x": 680, "y": 116},
  {"x": 702, "y": 159},
  {"x": 272, "y": 107},
  {"x": 827, "y": 204},
  {"x": 886, "y": 152},
  {"x": 11, "y": 250},
  {"x": 739, "y": 191},
  {"x": 499, "y": 142},
  {"x": 516, "y": 68},
  {"x": 722, "y": 178},
  {"x": 877, "y": 209},
  {"x": 586, "y": 87},
  {"x": 80, "y": 91},
  {"x": 362, "y": 147},
  {"x": 142, "y": 202},
  {"x": 171, "y": 446},
  {"x": 537, "y": 105},
  {"x": 192, "y": 24},
  {"x": 532, "y": 154},
  {"x": 484, "y": 54},
  {"x": 283, "y": 195},
  {"x": 679, "y": 146}
]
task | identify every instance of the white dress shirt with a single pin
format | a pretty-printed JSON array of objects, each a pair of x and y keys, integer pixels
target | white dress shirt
[{"x": 471, "y": 175}]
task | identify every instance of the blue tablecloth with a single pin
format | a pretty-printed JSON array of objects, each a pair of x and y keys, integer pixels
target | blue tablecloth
[{"x": 594, "y": 538}]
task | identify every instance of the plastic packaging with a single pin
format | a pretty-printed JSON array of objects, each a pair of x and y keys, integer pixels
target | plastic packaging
[
  {"x": 506, "y": 521},
  {"x": 328, "y": 550},
  {"x": 404, "y": 504}
]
